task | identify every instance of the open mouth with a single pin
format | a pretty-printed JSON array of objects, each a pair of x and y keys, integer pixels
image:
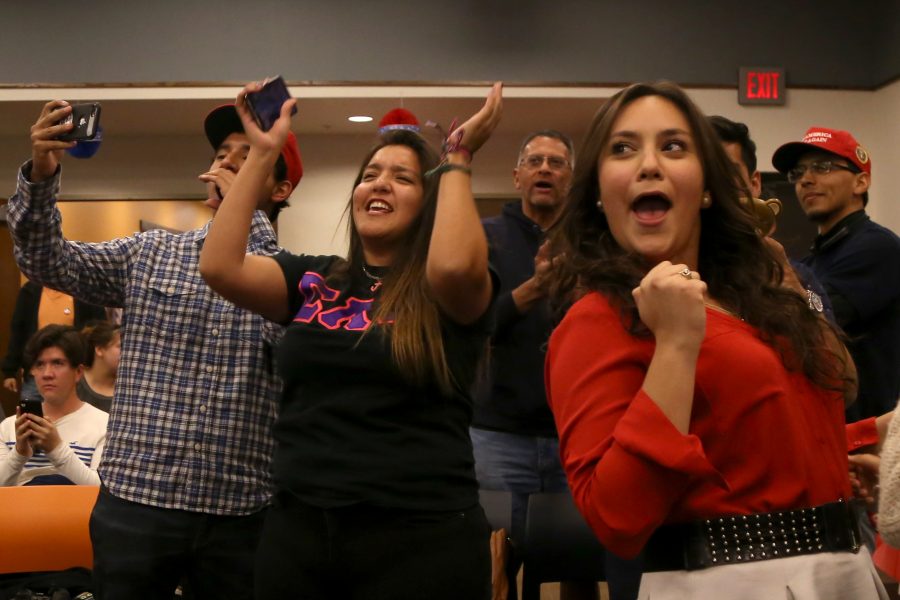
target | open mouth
[
  {"x": 543, "y": 186},
  {"x": 378, "y": 207},
  {"x": 651, "y": 209}
]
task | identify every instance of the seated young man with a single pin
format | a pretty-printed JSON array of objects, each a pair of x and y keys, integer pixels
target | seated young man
[{"x": 65, "y": 444}]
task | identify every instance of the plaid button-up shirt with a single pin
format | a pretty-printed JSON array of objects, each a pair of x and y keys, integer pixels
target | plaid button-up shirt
[{"x": 196, "y": 394}]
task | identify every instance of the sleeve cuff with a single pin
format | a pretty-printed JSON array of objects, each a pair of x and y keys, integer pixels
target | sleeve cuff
[
  {"x": 47, "y": 188},
  {"x": 861, "y": 434},
  {"x": 646, "y": 432}
]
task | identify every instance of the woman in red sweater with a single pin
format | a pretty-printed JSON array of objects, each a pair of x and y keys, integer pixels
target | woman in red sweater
[{"x": 699, "y": 402}]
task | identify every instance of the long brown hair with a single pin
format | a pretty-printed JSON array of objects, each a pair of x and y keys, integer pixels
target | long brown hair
[
  {"x": 738, "y": 268},
  {"x": 405, "y": 300}
]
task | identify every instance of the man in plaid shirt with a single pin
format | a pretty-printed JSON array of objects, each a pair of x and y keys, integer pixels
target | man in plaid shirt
[{"x": 185, "y": 474}]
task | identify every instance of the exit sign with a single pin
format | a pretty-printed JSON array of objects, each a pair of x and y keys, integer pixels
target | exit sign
[{"x": 761, "y": 85}]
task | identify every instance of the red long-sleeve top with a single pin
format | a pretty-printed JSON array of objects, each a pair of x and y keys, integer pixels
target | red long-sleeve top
[{"x": 761, "y": 438}]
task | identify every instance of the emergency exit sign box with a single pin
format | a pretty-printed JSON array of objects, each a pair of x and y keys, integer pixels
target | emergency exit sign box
[{"x": 761, "y": 85}]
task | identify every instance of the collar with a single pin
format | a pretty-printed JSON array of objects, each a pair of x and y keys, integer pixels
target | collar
[
  {"x": 514, "y": 211},
  {"x": 261, "y": 232},
  {"x": 841, "y": 229}
]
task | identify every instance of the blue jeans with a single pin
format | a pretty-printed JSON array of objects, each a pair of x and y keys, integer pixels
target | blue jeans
[
  {"x": 142, "y": 552},
  {"x": 521, "y": 464}
]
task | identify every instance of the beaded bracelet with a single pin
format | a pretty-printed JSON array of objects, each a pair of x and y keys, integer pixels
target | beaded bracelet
[
  {"x": 453, "y": 144},
  {"x": 445, "y": 167}
]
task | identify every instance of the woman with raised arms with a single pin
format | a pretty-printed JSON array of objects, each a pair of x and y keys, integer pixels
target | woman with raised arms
[{"x": 376, "y": 493}]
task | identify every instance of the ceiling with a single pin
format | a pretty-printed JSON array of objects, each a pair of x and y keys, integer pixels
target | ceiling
[{"x": 317, "y": 115}]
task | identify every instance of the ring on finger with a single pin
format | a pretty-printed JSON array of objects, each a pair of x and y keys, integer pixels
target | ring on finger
[{"x": 686, "y": 273}]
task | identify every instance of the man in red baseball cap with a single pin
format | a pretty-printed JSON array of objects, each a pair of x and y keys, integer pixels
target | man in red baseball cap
[
  {"x": 186, "y": 470},
  {"x": 225, "y": 133},
  {"x": 857, "y": 260}
]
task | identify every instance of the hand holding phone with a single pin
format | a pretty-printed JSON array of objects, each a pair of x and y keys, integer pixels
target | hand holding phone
[
  {"x": 265, "y": 105},
  {"x": 86, "y": 123}
]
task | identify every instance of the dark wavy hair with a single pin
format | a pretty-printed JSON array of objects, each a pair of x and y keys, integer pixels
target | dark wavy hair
[
  {"x": 738, "y": 268},
  {"x": 405, "y": 300},
  {"x": 64, "y": 337}
]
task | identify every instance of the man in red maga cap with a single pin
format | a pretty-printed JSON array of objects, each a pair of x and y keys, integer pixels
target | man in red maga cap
[
  {"x": 186, "y": 469},
  {"x": 857, "y": 260}
]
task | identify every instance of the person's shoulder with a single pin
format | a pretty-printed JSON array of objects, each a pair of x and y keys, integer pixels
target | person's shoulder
[
  {"x": 874, "y": 240},
  {"x": 591, "y": 302},
  {"x": 7, "y": 422},
  {"x": 89, "y": 411},
  {"x": 882, "y": 234}
]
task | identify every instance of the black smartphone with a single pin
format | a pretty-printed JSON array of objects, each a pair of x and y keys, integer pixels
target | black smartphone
[
  {"x": 34, "y": 406},
  {"x": 265, "y": 105},
  {"x": 86, "y": 119}
]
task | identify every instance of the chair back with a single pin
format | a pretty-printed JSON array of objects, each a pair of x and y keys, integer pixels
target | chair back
[
  {"x": 497, "y": 507},
  {"x": 45, "y": 527},
  {"x": 559, "y": 545}
]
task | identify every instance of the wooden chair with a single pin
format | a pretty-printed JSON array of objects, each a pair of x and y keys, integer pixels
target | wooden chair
[{"x": 45, "y": 527}]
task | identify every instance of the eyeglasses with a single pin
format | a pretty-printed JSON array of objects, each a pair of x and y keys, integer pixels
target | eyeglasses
[
  {"x": 819, "y": 167},
  {"x": 536, "y": 161}
]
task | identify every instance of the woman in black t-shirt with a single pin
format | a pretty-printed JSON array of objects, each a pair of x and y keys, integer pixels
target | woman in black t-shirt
[{"x": 376, "y": 493}]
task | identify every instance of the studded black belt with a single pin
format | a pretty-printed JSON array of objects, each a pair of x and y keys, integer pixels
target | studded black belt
[{"x": 746, "y": 538}]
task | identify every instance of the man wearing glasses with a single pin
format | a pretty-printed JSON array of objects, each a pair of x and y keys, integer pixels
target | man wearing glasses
[
  {"x": 857, "y": 260},
  {"x": 513, "y": 432}
]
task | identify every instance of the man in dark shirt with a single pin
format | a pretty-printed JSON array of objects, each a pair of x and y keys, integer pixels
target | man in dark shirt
[
  {"x": 516, "y": 445},
  {"x": 857, "y": 260},
  {"x": 513, "y": 432}
]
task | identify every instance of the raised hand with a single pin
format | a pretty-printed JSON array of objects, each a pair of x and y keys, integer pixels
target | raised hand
[
  {"x": 272, "y": 140},
  {"x": 478, "y": 128},
  {"x": 46, "y": 150}
]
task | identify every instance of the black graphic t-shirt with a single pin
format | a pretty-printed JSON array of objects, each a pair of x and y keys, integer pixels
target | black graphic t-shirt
[{"x": 351, "y": 428}]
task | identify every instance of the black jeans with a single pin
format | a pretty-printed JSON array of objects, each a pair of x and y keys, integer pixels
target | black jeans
[
  {"x": 142, "y": 552},
  {"x": 367, "y": 553}
]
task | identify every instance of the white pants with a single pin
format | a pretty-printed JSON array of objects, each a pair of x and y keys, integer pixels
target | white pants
[{"x": 824, "y": 576}]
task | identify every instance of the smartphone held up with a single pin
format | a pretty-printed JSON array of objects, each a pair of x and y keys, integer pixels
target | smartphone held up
[
  {"x": 265, "y": 104},
  {"x": 85, "y": 119},
  {"x": 34, "y": 406}
]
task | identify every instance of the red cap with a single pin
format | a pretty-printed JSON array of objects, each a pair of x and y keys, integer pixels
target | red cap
[
  {"x": 398, "y": 118},
  {"x": 834, "y": 141},
  {"x": 224, "y": 120}
]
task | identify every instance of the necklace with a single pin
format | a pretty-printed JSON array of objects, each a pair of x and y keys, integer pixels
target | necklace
[{"x": 375, "y": 279}]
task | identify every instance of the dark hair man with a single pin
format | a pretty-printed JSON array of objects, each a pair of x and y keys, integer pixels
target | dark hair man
[
  {"x": 741, "y": 150},
  {"x": 64, "y": 445},
  {"x": 186, "y": 467},
  {"x": 857, "y": 260}
]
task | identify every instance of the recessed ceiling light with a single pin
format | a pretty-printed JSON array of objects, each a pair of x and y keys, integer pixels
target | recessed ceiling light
[{"x": 359, "y": 119}]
